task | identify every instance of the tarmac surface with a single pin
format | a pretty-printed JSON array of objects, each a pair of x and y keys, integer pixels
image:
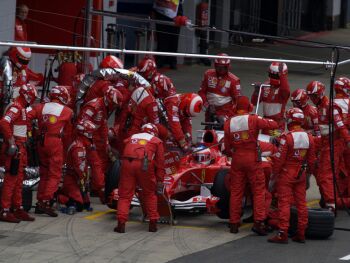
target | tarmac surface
[{"x": 89, "y": 236}]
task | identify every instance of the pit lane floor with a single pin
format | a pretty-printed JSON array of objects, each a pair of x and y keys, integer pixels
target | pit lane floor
[{"x": 89, "y": 237}]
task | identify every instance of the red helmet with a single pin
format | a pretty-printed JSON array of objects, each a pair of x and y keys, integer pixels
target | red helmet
[
  {"x": 342, "y": 86},
  {"x": 111, "y": 62},
  {"x": 191, "y": 104},
  {"x": 150, "y": 128},
  {"x": 295, "y": 115},
  {"x": 299, "y": 98},
  {"x": 147, "y": 67},
  {"x": 60, "y": 93},
  {"x": 274, "y": 74},
  {"x": 222, "y": 61},
  {"x": 244, "y": 104},
  {"x": 86, "y": 128},
  {"x": 28, "y": 92},
  {"x": 315, "y": 90},
  {"x": 20, "y": 56},
  {"x": 222, "y": 65},
  {"x": 113, "y": 98}
]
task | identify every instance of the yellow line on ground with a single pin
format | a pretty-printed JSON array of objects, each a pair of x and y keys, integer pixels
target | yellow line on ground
[
  {"x": 312, "y": 203},
  {"x": 98, "y": 214}
]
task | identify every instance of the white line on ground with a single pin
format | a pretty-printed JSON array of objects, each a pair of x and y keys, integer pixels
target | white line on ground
[{"x": 345, "y": 258}]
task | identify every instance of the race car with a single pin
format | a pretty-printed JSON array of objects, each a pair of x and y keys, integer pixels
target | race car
[{"x": 188, "y": 178}]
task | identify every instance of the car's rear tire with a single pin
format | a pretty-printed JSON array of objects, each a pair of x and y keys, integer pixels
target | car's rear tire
[
  {"x": 112, "y": 178},
  {"x": 320, "y": 223},
  {"x": 219, "y": 189}
]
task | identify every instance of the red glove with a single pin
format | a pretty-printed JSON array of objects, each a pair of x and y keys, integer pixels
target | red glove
[{"x": 180, "y": 20}]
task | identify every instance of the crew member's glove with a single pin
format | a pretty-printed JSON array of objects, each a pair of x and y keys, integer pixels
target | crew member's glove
[
  {"x": 181, "y": 20},
  {"x": 82, "y": 185},
  {"x": 160, "y": 188},
  {"x": 185, "y": 147},
  {"x": 12, "y": 149},
  {"x": 272, "y": 183},
  {"x": 256, "y": 86},
  {"x": 275, "y": 133}
]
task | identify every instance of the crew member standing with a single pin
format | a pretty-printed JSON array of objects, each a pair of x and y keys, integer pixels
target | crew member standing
[
  {"x": 143, "y": 165},
  {"x": 324, "y": 176},
  {"x": 241, "y": 133},
  {"x": 296, "y": 148},
  {"x": 55, "y": 129},
  {"x": 20, "y": 24},
  {"x": 219, "y": 91},
  {"x": 275, "y": 97},
  {"x": 13, "y": 126}
]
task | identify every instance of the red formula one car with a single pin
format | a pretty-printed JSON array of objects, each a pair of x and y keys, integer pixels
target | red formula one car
[{"x": 188, "y": 178}]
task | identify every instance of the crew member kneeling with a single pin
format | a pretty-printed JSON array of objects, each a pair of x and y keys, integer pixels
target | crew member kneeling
[
  {"x": 296, "y": 148},
  {"x": 241, "y": 133},
  {"x": 142, "y": 164}
]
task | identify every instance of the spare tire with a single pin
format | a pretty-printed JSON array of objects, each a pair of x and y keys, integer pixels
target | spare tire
[
  {"x": 219, "y": 189},
  {"x": 112, "y": 178},
  {"x": 320, "y": 223}
]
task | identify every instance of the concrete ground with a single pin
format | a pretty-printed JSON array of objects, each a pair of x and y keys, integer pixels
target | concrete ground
[{"x": 89, "y": 237}]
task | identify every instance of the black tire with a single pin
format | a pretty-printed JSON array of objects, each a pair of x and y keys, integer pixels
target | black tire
[
  {"x": 219, "y": 189},
  {"x": 27, "y": 199},
  {"x": 320, "y": 223},
  {"x": 112, "y": 178}
]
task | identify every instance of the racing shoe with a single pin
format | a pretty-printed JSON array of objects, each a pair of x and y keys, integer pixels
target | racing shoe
[
  {"x": 259, "y": 228},
  {"x": 120, "y": 228},
  {"x": 299, "y": 237},
  {"x": 22, "y": 215},
  {"x": 280, "y": 238},
  {"x": 234, "y": 228},
  {"x": 44, "y": 208},
  {"x": 7, "y": 216},
  {"x": 152, "y": 227}
]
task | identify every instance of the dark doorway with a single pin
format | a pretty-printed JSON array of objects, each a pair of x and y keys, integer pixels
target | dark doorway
[{"x": 269, "y": 17}]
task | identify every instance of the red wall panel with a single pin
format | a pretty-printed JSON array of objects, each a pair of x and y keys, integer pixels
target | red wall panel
[{"x": 53, "y": 22}]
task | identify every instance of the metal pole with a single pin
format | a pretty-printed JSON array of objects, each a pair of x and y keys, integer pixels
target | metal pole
[
  {"x": 259, "y": 96},
  {"x": 189, "y": 55},
  {"x": 87, "y": 34}
]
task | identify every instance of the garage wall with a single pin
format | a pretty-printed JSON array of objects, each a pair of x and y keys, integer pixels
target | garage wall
[{"x": 7, "y": 21}]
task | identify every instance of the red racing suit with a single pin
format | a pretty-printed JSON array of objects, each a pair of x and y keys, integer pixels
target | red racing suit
[
  {"x": 14, "y": 124},
  {"x": 142, "y": 109},
  {"x": 76, "y": 171},
  {"x": 97, "y": 90},
  {"x": 219, "y": 93},
  {"x": 55, "y": 128},
  {"x": 20, "y": 30},
  {"x": 179, "y": 124},
  {"x": 324, "y": 176},
  {"x": 296, "y": 148},
  {"x": 241, "y": 133},
  {"x": 135, "y": 171},
  {"x": 274, "y": 100},
  {"x": 96, "y": 111},
  {"x": 344, "y": 181},
  {"x": 311, "y": 120}
]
